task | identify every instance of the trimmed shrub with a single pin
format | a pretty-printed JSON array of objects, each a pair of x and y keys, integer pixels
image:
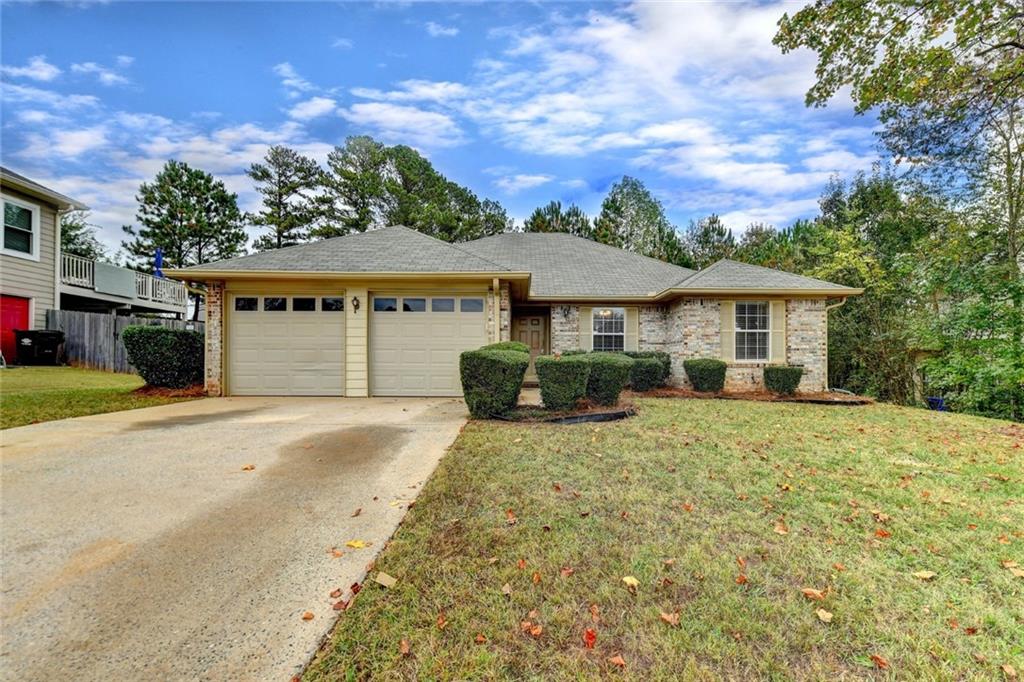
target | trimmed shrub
[
  {"x": 491, "y": 380},
  {"x": 573, "y": 351},
  {"x": 705, "y": 374},
  {"x": 662, "y": 357},
  {"x": 646, "y": 373},
  {"x": 609, "y": 373},
  {"x": 563, "y": 379},
  {"x": 170, "y": 358},
  {"x": 517, "y": 346},
  {"x": 782, "y": 378}
]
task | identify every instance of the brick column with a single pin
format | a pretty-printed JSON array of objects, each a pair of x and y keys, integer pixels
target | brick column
[
  {"x": 807, "y": 341},
  {"x": 215, "y": 338},
  {"x": 565, "y": 328},
  {"x": 505, "y": 313}
]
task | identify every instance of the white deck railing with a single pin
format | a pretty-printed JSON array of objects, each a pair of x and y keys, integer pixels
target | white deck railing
[{"x": 81, "y": 272}]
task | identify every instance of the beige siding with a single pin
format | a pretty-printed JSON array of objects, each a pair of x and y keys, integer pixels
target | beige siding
[{"x": 29, "y": 278}]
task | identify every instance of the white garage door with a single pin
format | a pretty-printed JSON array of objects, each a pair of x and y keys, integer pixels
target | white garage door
[
  {"x": 287, "y": 345},
  {"x": 415, "y": 341}
]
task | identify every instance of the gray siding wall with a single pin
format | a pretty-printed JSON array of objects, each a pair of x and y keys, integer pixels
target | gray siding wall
[{"x": 29, "y": 278}]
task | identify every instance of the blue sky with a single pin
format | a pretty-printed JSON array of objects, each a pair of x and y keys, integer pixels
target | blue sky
[{"x": 523, "y": 103}]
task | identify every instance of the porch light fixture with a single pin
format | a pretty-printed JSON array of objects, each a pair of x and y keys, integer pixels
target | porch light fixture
[{"x": 355, "y": 304}]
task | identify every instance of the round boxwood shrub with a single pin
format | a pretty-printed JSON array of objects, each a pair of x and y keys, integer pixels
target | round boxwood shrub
[
  {"x": 562, "y": 379},
  {"x": 705, "y": 374},
  {"x": 171, "y": 358},
  {"x": 645, "y": 374},
  {"x": 782, "y": 379},
  {"x": 609, "y": 373},
  {"x": 491, "y": 380},
  {"x": 517, "y": 346},
  {"x": 663, "y": 358}
]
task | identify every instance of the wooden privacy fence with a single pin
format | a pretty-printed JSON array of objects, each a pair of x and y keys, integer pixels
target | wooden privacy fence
[{"x": 94, "y": 339}]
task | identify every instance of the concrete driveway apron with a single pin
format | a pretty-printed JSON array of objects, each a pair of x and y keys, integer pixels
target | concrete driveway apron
[{"x": 137, "y": 546}]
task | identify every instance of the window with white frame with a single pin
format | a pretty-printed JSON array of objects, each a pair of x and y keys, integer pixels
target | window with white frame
[
  {"x": 752, "y": 330},
  {"x": 21, "y": 229},
  {"x": 609, "y": 329}
]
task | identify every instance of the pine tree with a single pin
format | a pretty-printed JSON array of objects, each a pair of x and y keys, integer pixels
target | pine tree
[
  {"x": 78, "y": 236},
  {"x": 288, "y": 182}
]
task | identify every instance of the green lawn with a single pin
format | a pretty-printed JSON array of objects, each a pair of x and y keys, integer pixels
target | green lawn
[
  {"x": 723, "y": 512},
  {"x": 39, "y": 394}
]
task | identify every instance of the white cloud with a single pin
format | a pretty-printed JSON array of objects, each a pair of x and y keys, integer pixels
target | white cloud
[
  {"x": 67, "y": 144},
  {"x": 35, "y": 116},
  {"x": 37, "y": 69},
  {"x": 312, "y": 108},
  {"x": 20, "y": 94},
  {"x": 342, "y": 44},
  {"x": 774, "y": 213},
  {"x": 405, "y": 124},
  {"x": 293, "y": 83},
  {"x": 416, "y": 90},
  {"x": 105, "y": 75},
  {"x": 439, "y": 31},
  {"x": 124, "y": 61},
  {"x": 516, "y": 183}
]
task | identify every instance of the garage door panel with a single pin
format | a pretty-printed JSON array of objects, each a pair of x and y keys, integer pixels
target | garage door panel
[
  {"x": 286, "y": 352},
  {"x": 417, "y": 353}
]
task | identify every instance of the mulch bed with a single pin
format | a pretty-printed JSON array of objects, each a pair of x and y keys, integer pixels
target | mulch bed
[
  {"x": 818, "y": 398},
  {"x": 586, "y": 412},
  {"x": 196, "y": 391}
]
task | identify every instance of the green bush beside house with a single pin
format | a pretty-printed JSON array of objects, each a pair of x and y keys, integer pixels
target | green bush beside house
[
  {"x": 782, "y": 379},
  {"x": 705, "y": 374},
  {"x": 609, "y": 373},
  {"x": 491, "y": 379},
  {"x": 169, "y": 358},
  {"x": 562, "y": 379}
]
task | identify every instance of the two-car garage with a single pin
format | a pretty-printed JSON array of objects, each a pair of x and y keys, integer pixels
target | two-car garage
[{"x": 295, "y": 343}]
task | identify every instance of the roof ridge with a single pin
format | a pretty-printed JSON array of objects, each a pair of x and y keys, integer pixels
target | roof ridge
[
  {"x": 459, "y": 246},
  {"x": 697, "y": 273}
]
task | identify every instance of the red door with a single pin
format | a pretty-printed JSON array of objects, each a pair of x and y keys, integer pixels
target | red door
[{"x": 13, "y": 315}]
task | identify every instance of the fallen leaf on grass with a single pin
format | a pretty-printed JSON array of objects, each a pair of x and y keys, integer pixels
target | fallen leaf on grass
[
  {"x": 781, "y": 529},
  {"x": 631, "y": 583},
  {"x": 521, "y": 564},
  {"x": 506, "y": 590},
  {"x": 531, "y": 628},
  {"x": 924, "y": 575},
  {"x": 403, "y": 648},
  {"x": 617, "y": 660},
  {"x": 879, "y": 662},
  {"x": 838, "y": 566},
  {"x": 813, "y": 594},
  {"x": 741, "y": 561},
  {"x": 741, "y": 579},
  {"x": 668, "y": 563},
  {"x": 1017, "y": 572},
  {"x": 567, "y": 571},
  {"x": 355, "y": 587},
  {"x": 688, "y": 506},
  {"x": 536, "y": 578},
  {"x": 824, "y": 616},
  {"x": 517, "y": 440},
  {"x": 594, "y": 615},
  {"x": 385, "y": 579},
  {"x": 442, "y": 622},
  {"x": 1008, "y": 563},
  {"x": 480, "y": 639},
  {"x": 356, "y": 544},
  {"x": 248, "y": 467},
  {"x": 670, "y": 618},
  {"x": 308, "y": 615},
  {"x": 1009, "y": 671},
  {"x": 882, "y": 533},
  {"x": 589, "y": 638},
  {"x": 510, "y": 517}
]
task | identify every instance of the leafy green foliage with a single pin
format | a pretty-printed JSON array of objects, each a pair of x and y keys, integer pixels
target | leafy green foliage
[
  {"x": 705, "y": 374},
  {"x": 646, "y": 374},
  {"x": 370, "y": 185},
  {"x": 288, "y": 182},
  {"x": 562, "y": 379},
  {"x": 609, "y": 373},
  {"x": 632, "y": 218},
  {"x": 782, "y": 379},
  {"x": 78, "y": 236},
  {"x": 517, "y": 346},
  {"x": 708, "y": 240},
  {"x": 492, "y": 379},
  {"x": 171, "y": 358},
  {"x": 663, "y": 359},
  {"x": 552, "y": 218}
]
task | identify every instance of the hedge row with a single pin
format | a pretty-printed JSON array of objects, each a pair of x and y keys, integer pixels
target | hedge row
[
  {"x": 563, "y": 380},
  {"x": 492, "y": 378},
  {"x": 170, "y": 358}
]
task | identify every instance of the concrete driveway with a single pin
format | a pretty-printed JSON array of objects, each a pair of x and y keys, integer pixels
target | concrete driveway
[{"x": 135, "y": 546}]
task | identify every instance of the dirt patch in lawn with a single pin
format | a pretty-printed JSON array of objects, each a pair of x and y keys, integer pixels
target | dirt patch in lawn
[{"x": 817, "y": 398}]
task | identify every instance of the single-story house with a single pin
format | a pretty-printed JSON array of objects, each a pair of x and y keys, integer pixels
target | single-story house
[{"x": 387, "y": 312}]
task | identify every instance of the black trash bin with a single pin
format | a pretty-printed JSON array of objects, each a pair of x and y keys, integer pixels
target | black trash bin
[{"x": 39, "y": 346}]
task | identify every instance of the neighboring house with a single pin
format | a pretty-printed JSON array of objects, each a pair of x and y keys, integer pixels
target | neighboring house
[
  {"x": 36, "y": 277},
  {"x": 387, "y": 312}
]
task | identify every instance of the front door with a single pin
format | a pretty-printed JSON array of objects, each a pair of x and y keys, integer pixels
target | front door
[
  {"x": 533, "y": 331},
  {"x": 13, "y": 315}
]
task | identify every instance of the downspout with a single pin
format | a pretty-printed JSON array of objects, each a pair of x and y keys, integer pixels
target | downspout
[{"x": 841, "y": 303}]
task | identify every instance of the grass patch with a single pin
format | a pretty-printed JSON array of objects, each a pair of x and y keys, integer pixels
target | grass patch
[
  {"x": 687, "y": 497},
  {"x": 29, "y": 395}
]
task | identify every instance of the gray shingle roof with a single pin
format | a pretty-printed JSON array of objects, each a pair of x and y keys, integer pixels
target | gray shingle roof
[
  {"x": 564, "y": 265},
  {"x": 730, "y": 274},
  {"x": 19, "y": 181},
  {"x": 390, "y": 249}
]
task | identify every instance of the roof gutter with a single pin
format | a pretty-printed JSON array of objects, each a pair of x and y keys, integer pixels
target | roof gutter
[{"x": 36, "y": 190}]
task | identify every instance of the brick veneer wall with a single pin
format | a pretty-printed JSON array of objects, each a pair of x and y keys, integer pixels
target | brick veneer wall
[
  {"x": 653, "y": 327},
  {"x": 214, "y": 338},
  {"x": 505, "y": 314},
  {"x": 565, "y": 328},
  {"x": 807, "y": 341}
]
